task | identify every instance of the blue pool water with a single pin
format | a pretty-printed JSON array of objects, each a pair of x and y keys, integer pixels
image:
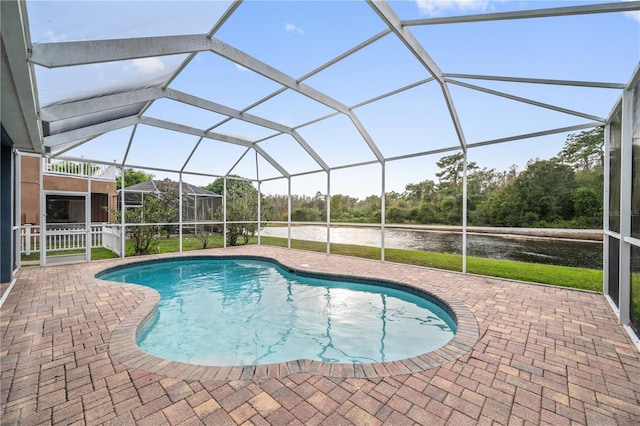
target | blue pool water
[{"x": 249, "y": 312}]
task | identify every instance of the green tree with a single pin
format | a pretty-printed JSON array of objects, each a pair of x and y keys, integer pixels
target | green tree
[
  {"x": 133, "y": 177},
  {"x": 587, "y": 204},
  {"x": 503, "y": 207},
  {"x": 398, "y": 213},
  {"x": 448, "y": 205},
  {"x": 142, "y": 237},
  {"x": 341, "y": 207},
  {"x": 584, "y": 151},
  {"x": 169, "y": 197},
  {"x": 588, "y": 198},
  {"x": 452, "y": 167},
  {"x": 481, "y": 183},
  {"x": 306, "y": 214},
  {"x": 275, "y": 207},
  {"x": 545, "y": 188},
  {"x": 242, "y": 208},
  {"x": 418, "y": 193}
]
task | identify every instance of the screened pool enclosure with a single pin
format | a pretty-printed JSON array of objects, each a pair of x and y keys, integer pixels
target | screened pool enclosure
[
  {"x": 319, "y": 99},
  {"x": 197, "y": 204}
]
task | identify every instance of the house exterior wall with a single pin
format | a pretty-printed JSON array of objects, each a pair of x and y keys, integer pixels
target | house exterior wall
[
  {"x": 30, "y": 190},
  {"x": 63, "y": 183}
]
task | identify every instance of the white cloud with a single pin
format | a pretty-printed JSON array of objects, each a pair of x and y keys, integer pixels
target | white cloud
[
  {"x": 635, "y": 15},
  {"x": 293, "y": 28},
  {"x": 241, "y": 68},
  {"x": 51, "y": 37},
  {"x": 436, "y": 7},
  {"x": 148, "y": 65}
]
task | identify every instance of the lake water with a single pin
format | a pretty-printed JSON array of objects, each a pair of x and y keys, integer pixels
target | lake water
[{"x": 585, "y": 254}]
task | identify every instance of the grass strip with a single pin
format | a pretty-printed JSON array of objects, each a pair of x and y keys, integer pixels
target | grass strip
[{"x": 566, "y": 276}]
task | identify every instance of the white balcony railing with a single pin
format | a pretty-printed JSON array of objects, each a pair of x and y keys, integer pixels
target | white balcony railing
[{"x": 54, "y": 166}]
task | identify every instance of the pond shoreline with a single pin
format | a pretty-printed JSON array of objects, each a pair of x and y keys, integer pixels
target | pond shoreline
[{"x": 591, "y": 235}]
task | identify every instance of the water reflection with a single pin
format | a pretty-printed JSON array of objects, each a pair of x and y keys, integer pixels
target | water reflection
[
  {"x": 247, "y": 312},
  {"x": 585, "y": 254}
]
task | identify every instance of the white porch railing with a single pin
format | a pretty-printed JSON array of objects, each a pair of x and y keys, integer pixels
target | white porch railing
[
  {"x": 78, "y": 169},
  {"x": 69, "y": 236}
]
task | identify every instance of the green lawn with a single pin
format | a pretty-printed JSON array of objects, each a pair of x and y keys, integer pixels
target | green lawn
[
  {"x": 580, "y": 278},
  {"x": 96, "y": 254},
  {"x": 635, "y": 302}
]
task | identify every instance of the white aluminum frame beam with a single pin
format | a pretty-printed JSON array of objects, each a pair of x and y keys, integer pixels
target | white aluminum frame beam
[
  {"x": 537, "y": 134},
  {"x": 386, "y": 13},
  {"x": 103, "y": 103},
  {"x": 226, "y": 15},
  {"x": 99, "y": 104},
  {"x": 241, "y": 58},
  {"x": 62, "y": 54},
  {"x": 346, "y": 54},
  {"x": 528, "y": 14},
  {"x": 528, "y": 101},
  {"x": 96, "y": 129},
  {"x": 212, "y": 135},
  {"x": 593, "y": 84},
  {"x": 303, "y": 143},
  {"x": 393, "y": 92},
  {"x": 243, "y": 116},
  {"x": 61, "y": 149},
  {"x": 90, "y": 131},
  {"x": 193, "y": 151},
  {"x": 224, "y": 110},
  {"x": 390, "y": 18},
  {"x": 626, "y": 165},
  {"x": 500, "y": 140},
  {"x": 14, "y": 22},
  {"x": 53, "y": 55}
]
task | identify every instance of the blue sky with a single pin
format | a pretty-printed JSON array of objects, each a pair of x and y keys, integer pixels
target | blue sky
[{"x": 297, "y": 37}]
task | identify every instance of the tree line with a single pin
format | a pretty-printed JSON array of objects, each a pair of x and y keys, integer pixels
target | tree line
[{"x": 565, "y": 191}]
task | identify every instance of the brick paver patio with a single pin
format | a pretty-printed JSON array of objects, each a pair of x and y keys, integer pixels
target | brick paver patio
[{"x": 527, "y": 354}]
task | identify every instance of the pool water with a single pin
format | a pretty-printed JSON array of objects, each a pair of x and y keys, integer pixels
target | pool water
[{"x": 248, "y": 312}]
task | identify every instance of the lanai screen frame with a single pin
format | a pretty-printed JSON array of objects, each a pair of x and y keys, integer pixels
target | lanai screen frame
[
  {"x": 622, "y": 147},
  {"x": 109, "y": 107}
]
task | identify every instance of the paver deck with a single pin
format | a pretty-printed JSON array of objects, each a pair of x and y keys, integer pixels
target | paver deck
[{"x": 529, "y": 354}]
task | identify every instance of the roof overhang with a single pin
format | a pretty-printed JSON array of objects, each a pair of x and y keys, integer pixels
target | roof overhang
[{"x": 19, "y": 103}]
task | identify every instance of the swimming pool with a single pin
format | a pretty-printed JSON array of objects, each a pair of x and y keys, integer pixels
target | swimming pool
[{"x": 244, "y": 311}]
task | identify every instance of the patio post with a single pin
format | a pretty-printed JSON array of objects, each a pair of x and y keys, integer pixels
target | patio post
[
  {"x": 27, "y": 239},
  {"x": 224, "y": 212},
  {"x": 625, "y": 206},
  {"x": 259, "y": 195},
  {"x": 464, "y": 213},
  {"x": 382, "y": 210},
  {"x": 180, "y": 212},
  {"x": 289, "y": 213},
  {"x": 329, "y": 211},
  {"x": 123, "y": 208}
]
